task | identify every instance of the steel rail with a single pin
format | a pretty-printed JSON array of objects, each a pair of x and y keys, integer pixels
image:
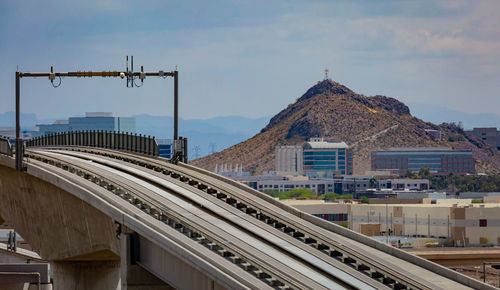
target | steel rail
[
  {"x": 272, "y": 235},
  {"x": 212, "y": 226},
  {"x": 159, "y": 206},
  {"x": 391, "y": 274},
  {"x": 358, "y": 256},
  {"x": 234, "y": 216},
  {"x": 117, "y": 188}
]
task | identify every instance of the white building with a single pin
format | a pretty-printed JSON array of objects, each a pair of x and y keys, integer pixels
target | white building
[
  {"x": 404, "y": 184},
  {"x": 289, "y": 159}
]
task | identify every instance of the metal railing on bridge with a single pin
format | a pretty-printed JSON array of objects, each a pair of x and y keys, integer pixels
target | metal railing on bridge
[
  {"x": 102, "y": 139},
  {"x": 5, "y": 147}
]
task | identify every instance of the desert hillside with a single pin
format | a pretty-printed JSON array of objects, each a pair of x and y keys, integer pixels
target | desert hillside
[{"x": 335, "y": 112}]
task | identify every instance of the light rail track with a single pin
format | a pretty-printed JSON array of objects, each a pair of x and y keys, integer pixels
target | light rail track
[
  {"x": 301, "y": 276},
  {"x": 315, "y": 242}
]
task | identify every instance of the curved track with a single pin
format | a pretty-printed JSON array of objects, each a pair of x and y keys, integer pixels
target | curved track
[
  {"x": 218, "y": 227},
  {"x": 275, "y": 246}
]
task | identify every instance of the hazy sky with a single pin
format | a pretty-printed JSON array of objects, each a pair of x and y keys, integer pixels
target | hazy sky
[{"x": 250, "y": 58}]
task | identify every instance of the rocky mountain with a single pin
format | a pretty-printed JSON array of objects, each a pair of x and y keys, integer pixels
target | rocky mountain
[{"x": 335, "y": 112}]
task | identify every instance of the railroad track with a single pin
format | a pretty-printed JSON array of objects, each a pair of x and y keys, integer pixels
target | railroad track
[
  {"x": 314, "y": 243},
  {"x": 271, "y": 264}
]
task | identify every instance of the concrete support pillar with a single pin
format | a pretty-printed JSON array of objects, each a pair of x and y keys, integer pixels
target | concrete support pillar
[
  {"x": 83, "y": 275},
  {"x": 24, "y": 286},
  {"x": 133, "y": 276}
]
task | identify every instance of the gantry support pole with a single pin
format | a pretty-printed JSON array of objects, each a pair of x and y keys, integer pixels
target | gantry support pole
[
  {"x": 176, "y": 105},
  {"x": 19, "y": 140}
]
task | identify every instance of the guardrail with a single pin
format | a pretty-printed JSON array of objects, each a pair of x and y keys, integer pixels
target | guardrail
[
  {"x": 5, "y": 147},
  {"x": 103, "y": 139}
]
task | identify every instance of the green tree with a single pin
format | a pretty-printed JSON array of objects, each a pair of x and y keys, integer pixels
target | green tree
[
  {"x": 272, "y": 192},
  {"x": 365, "y": 199},
  {"x": 330, "y": 196},
  {"x": 294, "y": 193},
  {"x": 343, "y": 224},
  {"x": 334, "y": 196},
  {"x": 425, "y": 172},
  {"x": 373, "y": 182}
]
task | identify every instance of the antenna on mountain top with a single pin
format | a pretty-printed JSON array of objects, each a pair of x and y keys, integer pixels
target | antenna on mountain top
[{"x": 326, "y": 74}]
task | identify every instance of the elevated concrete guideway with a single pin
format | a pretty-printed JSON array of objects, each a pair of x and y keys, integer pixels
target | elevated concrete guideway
[
  {"x": 128, "y": 221},
  {"x": 77, "y": 234}
]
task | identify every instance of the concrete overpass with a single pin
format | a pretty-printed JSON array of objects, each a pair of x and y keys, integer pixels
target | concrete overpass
[{"x": 109, "y": 219}]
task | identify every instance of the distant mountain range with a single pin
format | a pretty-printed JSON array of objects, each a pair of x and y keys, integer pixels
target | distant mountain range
[
  {"x": 248, "y": 126},
  {"x": 440, "y": 115},
  {"x": 333, "y": 111},
  {"x": 28, "y": 120},
  {"x": 210, "y": 135},
  {"x": 217, "y": 134}
]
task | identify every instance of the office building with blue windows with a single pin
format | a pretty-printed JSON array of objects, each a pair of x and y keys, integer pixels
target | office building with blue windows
[
  {"x": 325, "y": 159},
  {"x": 316, "y": 159}
]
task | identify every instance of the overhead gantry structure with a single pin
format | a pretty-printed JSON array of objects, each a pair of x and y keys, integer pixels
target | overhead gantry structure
[{"x": 129, "y": 75}]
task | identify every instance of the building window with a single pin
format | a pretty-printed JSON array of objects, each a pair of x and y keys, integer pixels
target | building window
[{"x": 483, "y": 223}]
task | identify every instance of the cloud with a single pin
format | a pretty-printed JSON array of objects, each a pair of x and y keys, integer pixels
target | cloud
[{"x": 242, "y": 59}]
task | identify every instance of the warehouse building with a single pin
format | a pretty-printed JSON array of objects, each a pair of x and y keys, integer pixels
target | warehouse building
[{"x": 457, "y": 223}]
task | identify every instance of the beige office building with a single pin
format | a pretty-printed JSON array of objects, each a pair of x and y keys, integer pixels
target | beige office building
[{"x": 458, "y": 222}]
